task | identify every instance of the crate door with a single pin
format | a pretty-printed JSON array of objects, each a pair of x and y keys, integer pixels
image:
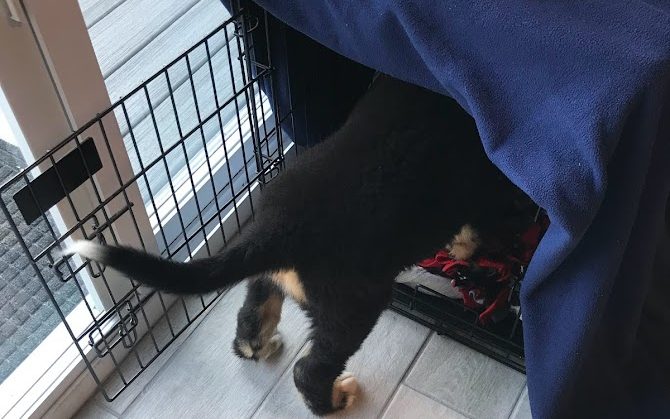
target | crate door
[{"x": 173, "y": 167}]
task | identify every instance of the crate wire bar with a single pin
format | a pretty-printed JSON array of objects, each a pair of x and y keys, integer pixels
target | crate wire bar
[{"x": 251, "y": 149}]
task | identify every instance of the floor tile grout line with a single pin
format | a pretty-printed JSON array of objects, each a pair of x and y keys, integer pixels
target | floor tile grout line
[
  {"x": 409, "y": 368},
  {"x": 518, "y": 399},
  {"x": 442, "y": 402},
  {"x": 279, "y": 378},
  {"x": 200, "y": 320},
  {"x": 457, "y": 409}
]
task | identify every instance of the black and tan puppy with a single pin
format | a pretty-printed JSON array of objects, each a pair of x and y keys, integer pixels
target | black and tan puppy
[{"x": 403, "y": 175}]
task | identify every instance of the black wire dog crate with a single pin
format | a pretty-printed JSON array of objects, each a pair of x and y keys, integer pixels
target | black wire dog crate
[{"x": 202, "y": 136}]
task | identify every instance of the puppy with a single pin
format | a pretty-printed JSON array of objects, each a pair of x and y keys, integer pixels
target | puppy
[{"x": 405, "y": 171}]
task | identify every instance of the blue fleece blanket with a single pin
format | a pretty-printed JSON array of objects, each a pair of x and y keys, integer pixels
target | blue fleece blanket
[{"x": 571, "y": 101}]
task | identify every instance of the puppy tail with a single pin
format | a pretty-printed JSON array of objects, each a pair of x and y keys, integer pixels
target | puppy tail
[{"x": 194, "y": 277}]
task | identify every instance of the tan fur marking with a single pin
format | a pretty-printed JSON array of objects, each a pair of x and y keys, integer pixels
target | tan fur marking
[
  {"x": 270, "y": 347},
  {"x": 290, "y": 283},
  {"x": 270, "y": 312},
  {"x": 464, "y": 244}
]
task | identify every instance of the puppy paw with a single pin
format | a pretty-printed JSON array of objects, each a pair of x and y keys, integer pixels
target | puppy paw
[
  {"x": 255, "y": 350},
  {"x": 271, "y": 347},
  {"x": 345, "y": 391},
  {"x": 464, "y": 244}
]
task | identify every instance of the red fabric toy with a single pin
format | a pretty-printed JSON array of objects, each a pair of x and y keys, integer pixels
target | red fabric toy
[{"x": 486, "y": 281}]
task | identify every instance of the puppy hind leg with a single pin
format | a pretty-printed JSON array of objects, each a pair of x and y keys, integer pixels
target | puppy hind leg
[
  {"x": 338, "y": 332},
  {"x": 257, "y": 337}
]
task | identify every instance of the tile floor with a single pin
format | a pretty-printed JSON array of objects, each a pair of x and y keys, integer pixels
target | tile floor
[{"x": 405, "y": 370}]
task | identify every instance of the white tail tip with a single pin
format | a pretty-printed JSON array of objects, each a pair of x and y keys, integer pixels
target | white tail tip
[{"x": 85, "y": 248}]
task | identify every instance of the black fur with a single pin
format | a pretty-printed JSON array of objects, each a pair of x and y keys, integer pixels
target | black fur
[{"x": 390, "y": 187}]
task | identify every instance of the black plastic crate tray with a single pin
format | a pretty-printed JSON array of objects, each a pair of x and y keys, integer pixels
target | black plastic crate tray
[{"x": 502, "y": 341}]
